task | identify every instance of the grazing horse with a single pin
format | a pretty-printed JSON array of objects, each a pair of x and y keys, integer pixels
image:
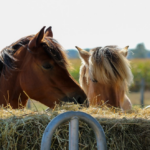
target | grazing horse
[
  {"x": 105, "y": 75},
  {"x": 37, "y": 65}
]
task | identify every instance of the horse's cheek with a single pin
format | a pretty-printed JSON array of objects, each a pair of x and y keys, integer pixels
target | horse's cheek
[
  {"x": 23, "y": 83},
  {"x": 26, "y": 82}
]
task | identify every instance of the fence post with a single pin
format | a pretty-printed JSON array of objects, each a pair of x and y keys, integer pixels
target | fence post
[
  {"x": 142, "y": 92},
  {"x": 29, "y": 104}
]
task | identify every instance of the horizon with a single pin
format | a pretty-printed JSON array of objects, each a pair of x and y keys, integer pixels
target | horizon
[{"x": 95, "y": 47}]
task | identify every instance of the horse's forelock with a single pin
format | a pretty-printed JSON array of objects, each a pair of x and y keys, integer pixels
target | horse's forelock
[{"x": 108, "y": 65}]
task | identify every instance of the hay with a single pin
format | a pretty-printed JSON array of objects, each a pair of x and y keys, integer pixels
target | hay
[{"x": 23, "y": 129}]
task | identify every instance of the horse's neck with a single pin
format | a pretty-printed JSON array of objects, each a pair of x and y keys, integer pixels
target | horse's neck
[
  {"x": 10, "y": 90},
  {"x": 109, "y": 94}
]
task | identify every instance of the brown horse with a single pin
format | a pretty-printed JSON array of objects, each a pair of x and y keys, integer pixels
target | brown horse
[
  {"x": 105, "y": 75},
  {"x": 37, "y": 65}
]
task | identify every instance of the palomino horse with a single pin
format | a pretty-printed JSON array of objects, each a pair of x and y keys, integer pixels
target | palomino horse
[
  {"x": 105, "y": 75},
  {"x": 37, "y": 65}
]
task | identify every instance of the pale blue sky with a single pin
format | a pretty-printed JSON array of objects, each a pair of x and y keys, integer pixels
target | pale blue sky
[{"x": 83, "y": 23}]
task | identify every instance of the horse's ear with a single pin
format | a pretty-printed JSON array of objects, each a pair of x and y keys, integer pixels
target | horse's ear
[
  {"x": 49, "y": 32},
  {"x": 84, "y": 55},
  {"x": 124, "y": 51},
  {"x": 36, "y": 40}
]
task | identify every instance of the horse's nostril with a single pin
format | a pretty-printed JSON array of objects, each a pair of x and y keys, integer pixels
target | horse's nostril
[
  {"x": 82, "y": 100},
  {"x": 79, "y": 99}
]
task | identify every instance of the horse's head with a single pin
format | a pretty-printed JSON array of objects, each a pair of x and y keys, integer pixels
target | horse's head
[
  {"x": 44, "y": 75},
  {"x": 105, "y": 74}
]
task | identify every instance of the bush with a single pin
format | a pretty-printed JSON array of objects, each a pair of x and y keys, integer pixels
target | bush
[{"x": 141, "y": 70}]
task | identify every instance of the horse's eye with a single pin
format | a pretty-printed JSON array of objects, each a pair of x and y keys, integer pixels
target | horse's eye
[{"x": 47, "y": 66}]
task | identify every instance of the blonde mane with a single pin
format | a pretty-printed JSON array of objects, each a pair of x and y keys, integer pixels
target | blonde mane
[{"x": 108, "y": 65}]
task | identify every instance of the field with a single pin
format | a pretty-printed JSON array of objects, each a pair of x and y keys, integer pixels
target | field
[
  {"x": 140, "y": 69},
  {"x": 76, "y": 63}
]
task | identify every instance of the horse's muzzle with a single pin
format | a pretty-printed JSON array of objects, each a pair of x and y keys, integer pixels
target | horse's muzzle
[{"x": 82, "y": 100}]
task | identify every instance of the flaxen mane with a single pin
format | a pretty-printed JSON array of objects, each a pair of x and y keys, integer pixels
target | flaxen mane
[
  {"x": 108, "y": 65},
  {"x": 50, "y": 45}
]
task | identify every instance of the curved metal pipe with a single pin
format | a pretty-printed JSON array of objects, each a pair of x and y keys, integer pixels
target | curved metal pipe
[{"x": 93, "y": 123}]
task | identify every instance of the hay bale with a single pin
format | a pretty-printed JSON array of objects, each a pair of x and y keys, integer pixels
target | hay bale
[{"x": 23, "y": 129}]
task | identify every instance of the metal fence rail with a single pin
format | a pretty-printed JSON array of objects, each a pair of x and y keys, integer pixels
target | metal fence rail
[{"x": 74, "y": 118}]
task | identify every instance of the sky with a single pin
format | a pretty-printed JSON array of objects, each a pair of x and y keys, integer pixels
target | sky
[{"x": 83, "y": 23}]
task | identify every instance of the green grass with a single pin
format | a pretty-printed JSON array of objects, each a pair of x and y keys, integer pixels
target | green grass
[
  {"x": 140, "y": 69},
  {"x": 76, "y": 63}
]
